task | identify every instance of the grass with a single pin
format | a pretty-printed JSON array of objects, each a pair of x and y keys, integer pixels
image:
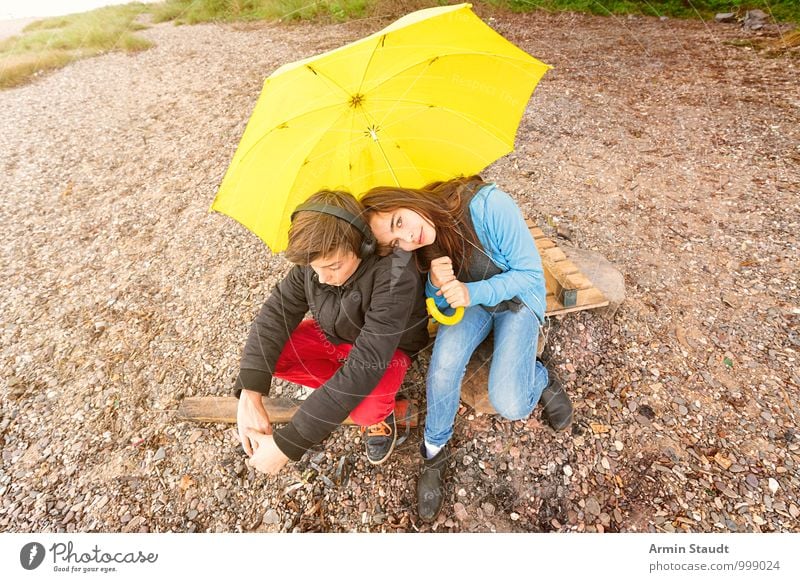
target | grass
[
  {"x": 781, "y": 10},
  {"x": 50, "y": 44},
  {"x": 196, "y": 11}
]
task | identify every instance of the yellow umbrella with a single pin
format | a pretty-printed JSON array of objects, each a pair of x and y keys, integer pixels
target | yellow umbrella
[{"x": 435, "y": 95}]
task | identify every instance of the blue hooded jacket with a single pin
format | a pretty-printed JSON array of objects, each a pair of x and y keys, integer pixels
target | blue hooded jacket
[{"x": 505, "y": 237}]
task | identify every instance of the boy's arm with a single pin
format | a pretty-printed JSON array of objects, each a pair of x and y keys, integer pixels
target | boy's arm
[
  {"x": 391, "y": 305},
  {"x": 279, "y": 316}
]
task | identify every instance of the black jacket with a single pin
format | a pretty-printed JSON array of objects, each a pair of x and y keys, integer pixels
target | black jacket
[{"x": 379, "y": 309}]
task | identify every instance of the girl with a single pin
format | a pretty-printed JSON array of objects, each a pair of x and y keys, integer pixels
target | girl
[{"x": 471, "y": 239}]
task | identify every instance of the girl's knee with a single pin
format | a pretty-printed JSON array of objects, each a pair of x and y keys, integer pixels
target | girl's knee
[{"x": 510, "y": 407}]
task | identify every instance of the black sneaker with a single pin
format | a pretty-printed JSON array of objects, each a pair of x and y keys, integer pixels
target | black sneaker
[
  {"x": 379, "y": 439},
  {"x": 557, "y": 406},
  {"x": 430, "y": 486}
]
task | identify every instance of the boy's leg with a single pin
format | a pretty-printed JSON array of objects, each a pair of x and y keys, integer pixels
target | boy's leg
[
  {"x": 380, "y": 402},
  {"x": 309, "y": 358},
  {"x": 375, "y": 414}
]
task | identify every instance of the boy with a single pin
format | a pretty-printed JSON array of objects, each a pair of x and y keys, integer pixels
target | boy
[{"x": 368, "y": 317}]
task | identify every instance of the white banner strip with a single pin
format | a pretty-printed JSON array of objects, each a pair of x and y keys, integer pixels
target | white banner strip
[{"x": 346, "y": 557}]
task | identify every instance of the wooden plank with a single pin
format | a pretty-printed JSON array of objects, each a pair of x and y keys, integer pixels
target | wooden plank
[
  {"x": 223, "y": 409},
  {"x": 536, "y": 232},
  {"x": 550, "y": 283},
  {"x": 580, "y": 281},
  {"x": 565, "y": 268},
  {"x": 555, "y": 254},
  {"x": 564, "y": 289},
  {"x": 280, "y": 410},
  {"x": 587, "y": 299}
]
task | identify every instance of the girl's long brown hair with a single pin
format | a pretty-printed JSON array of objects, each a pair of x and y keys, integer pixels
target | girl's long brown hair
[{"x": 445, "y": 204}]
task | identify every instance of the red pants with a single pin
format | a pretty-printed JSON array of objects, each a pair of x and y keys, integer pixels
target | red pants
[{"x": 310, "y": 359}]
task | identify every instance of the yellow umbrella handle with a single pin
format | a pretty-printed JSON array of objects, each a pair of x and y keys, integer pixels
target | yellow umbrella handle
[{"x": 441, "y": 317}]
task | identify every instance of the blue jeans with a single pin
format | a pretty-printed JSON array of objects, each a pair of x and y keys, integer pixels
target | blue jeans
[{"x": 516, "y": 378}]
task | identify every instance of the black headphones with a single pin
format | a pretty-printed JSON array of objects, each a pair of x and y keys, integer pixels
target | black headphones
[{"x": 368, "y": 243}]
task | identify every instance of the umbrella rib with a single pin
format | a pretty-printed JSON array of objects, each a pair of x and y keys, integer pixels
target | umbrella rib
[
  {"x": 369, "y": 118},
  {"x": 377, "y": 142},
  {"x": 443, "y": 141},
  {"x": 369, "y": 62},
  {"x": 482, "y": 122},
  {"x": 331, "y": 80},
  {"x": 512, "y": 60},
  {"x": 408, "y": 89},
  {"x": 428, "y": 63},
  {"x": 276, "y": 127}
]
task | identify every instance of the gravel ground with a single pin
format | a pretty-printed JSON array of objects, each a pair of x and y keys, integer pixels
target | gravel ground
[{"x": 667, "y": 146}]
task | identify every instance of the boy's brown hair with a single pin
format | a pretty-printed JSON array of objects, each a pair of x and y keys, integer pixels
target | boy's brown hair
[{"x": 314, "y": 235}]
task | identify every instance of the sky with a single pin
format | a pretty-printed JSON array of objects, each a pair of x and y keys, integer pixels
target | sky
[{"x": 14, "y": 9}]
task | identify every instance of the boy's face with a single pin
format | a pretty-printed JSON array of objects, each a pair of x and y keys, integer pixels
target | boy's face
[{"x": 336, "y": 269}]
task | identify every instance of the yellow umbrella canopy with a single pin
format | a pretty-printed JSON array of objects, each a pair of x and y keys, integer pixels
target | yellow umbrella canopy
[{"x": 435, "y": 95}]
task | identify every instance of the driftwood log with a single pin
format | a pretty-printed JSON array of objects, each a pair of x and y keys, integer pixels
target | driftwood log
[{"x": 280, "y": 410}]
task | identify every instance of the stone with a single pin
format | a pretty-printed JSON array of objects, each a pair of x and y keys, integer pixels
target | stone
[
  {"x": 754, "y": 19},
  {"x": 603, "y": 275},
  {"x": 592, "y": 506},
  {"x": 726, "y": 17},
  {"x": 460, "y": 511},
  {"x": 378, "y": 518}
]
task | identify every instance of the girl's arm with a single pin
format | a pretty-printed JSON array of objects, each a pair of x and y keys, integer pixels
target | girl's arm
[{"x": 509, "y": 237}]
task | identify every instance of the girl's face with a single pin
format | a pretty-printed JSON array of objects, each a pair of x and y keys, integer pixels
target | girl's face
[{"x": 402, "y": 228}]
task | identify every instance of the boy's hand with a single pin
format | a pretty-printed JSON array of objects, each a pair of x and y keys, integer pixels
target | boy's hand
[
  {"x": 442, "y": 271},
  {"x": 251, "y": 415},
  {"x": 268, "y": 458},
  {"x": 456, "y": 293}
]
